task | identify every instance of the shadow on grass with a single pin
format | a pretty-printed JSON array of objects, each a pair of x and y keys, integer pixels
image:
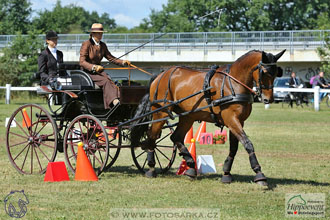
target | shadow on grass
[
  {"x": 132, "y": 171},
  {"x": 272, "y": 182}
]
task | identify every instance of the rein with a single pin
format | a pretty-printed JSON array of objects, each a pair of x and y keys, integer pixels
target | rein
[{"x": 236, "y": 80}]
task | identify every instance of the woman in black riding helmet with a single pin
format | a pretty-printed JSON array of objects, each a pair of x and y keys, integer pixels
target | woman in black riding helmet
[{"x": 49, "y": 58}]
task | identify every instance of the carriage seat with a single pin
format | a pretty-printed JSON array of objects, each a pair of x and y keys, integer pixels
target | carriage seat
[{"x": 72, "y": 78}]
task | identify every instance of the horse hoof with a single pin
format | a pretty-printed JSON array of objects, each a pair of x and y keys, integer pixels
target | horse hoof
[
  {"x": 260, "y": 179},
  {"x": 262, "y": 183},
  {"x": 226, "y": 178},
  {"x": 191, "y": 172},
  {"x": 151, "y": 174}
]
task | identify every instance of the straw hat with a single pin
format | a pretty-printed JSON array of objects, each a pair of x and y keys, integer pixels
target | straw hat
[{"x": 96, "y": 27}]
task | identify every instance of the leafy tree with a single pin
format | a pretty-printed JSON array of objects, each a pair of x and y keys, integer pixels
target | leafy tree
[
  {"x": 14, "y": 16},
  {"x": 70, "y": 19},
  {"x": 20, "y": 60},
  {"x": 237, "y": 15},
  {"x": 324, "y": 53}
]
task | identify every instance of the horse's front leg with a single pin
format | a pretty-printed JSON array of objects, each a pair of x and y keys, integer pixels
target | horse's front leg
[
  {"x": 236, "y": 127},
  {"x": 177, "y": 138}
]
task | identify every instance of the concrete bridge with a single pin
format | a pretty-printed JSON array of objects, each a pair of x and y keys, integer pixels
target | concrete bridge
[{"x": 202, "y": 49}]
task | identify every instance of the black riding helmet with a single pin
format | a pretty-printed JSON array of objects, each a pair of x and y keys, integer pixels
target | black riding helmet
[{"x": 51, "y": 35}]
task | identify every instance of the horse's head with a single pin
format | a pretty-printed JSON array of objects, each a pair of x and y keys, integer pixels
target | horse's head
[{"x": 265, "y": 74}]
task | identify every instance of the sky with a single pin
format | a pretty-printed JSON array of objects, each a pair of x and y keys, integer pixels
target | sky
[{"x": 128, "y": 13}]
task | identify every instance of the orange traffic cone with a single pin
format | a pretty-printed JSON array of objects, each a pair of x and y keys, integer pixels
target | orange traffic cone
[
  {"x": 26, "y": 122},
  {"x": 84, "y": 169},
  {"x": 189, "y": 136},
  {"x": 201, "y": 129},
  {"x": 183, "y": 166}
]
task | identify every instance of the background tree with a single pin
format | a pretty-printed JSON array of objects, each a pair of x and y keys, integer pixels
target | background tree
[
  {"x": 20, "y": 60},
  {"x": 237, "y": 15},
  {"x": 324, "y": 53},
  {"x": 70, "y": 19},
  {"x": 14, "y": 16}
]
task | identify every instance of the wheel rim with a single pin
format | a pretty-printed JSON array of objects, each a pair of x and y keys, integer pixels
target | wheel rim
[
  {"x": 165, "y": 154},
  {"x": 90, "y": 131},
  {"x": 31, "y": 139}
]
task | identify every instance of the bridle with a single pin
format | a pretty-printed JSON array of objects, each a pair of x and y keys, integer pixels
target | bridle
[{"x": 261, "y": 86}]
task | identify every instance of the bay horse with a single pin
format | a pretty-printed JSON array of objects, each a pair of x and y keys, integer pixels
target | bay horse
[{"x": 228, "y": 81}]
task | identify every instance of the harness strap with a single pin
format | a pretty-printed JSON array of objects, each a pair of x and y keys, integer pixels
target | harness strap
[
  {"x": 156, "y": 92},
  {"x": 223, "y": 99},
  {"x": 207, "y": 94}
]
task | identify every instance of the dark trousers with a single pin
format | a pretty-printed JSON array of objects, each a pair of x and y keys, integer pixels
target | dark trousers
[{"x": 110, "y": 90}]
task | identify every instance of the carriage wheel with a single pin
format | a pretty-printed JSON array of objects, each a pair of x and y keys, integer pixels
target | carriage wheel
[
  {"x": 164, "y": 153},
  {"x": 115, "y": 138},
  {"x": 31, "y": 139},
  {"x": 90, "y": 131},
  {"x": 328, "y": 100}
]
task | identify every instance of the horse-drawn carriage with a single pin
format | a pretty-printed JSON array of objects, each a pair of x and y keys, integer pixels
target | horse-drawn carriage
[
  {"x": 222, "y": 96},
  {"x": 76, "y": 114}
]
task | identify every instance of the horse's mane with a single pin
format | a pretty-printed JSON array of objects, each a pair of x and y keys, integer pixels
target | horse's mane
[{"x": 246, "y": 54}]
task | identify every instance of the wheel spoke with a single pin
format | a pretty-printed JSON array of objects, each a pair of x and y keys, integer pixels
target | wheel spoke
[
  {"x": 101, "y": 157},
  {"x": 10, "y": 146},
  {"x": 73, "y": 155},
  {"x": 43, "y": 126},
  {"x": 43, "y": 153},
  {"x": 35, "y": 129},
  {"x": 162, "y": 154},
  {"x": 25, "y": 157},
  {"x": 38, "y": 160},
  {"x": 160, "y": 165},
  {"x": 21, "y": 152},
  {"x": 140, "y": 154},
  {"x": 81, "y": 131},
  {"x": 18, "y": 135},
  {"x": 163, "y": 138},
  {"x": 32, "y": 158},
  {"x": 94, "y": 156},
  {"x": 49, "y": 146},
  {"x": 164, "y": 146},
  {"x": 145, "y": 161},
  {"x": 19, "y": 125}
]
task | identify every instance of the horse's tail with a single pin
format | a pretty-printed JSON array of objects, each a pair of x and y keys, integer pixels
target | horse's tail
[{"x": 137, "y": 132}]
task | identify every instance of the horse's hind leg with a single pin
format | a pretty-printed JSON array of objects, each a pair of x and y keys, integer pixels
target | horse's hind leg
[
  {"x": 227, "y": 178},
  {"x": 177, "y": 137},
  {"x": 153, "y": 134}
]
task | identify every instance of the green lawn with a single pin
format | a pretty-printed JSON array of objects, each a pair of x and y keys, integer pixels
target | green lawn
[{"x": 292, "y": 146}]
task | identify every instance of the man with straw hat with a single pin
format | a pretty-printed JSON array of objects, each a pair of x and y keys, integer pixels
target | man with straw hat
[{"x": 92, "y": 52}]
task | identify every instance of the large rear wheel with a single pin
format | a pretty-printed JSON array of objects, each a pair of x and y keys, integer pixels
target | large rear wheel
[{"x": 31, "y": 139}]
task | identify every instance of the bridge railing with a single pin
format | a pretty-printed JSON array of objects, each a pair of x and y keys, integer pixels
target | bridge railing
[{"x": 263, "y": 40}]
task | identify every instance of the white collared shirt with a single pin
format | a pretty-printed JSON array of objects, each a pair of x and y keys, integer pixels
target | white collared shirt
[
  {"x": 97, "y": 44},
  {"x": 53, "y": 51}
]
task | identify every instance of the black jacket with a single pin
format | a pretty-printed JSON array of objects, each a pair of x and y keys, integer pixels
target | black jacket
[
  {"x": 292, "y": 83},
  {"x": 48, "y": 65}
]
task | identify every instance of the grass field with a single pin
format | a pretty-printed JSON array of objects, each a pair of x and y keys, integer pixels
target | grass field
[{"x": 292, "y": 146}]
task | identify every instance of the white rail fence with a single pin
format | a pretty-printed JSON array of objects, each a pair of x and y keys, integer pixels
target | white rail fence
[{"x": 316, "y": 90}]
